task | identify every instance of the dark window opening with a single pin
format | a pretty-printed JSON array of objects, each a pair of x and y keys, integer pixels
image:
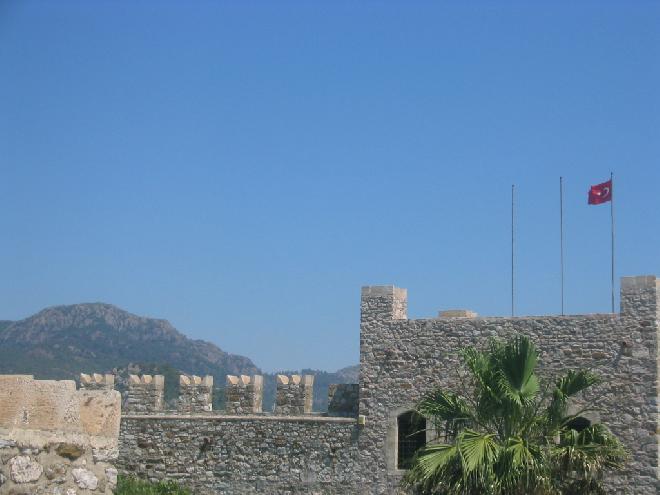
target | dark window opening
[
  {"x": 411, "y": 437},
  {"x": 578, "y": 424}
]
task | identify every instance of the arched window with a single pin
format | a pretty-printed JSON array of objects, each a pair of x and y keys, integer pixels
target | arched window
[
  {"x": 411, "y": 436},
  {"x": 578, "y": 423}
]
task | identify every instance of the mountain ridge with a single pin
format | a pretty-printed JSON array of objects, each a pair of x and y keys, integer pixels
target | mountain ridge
[{"x": 62, "y": 341}]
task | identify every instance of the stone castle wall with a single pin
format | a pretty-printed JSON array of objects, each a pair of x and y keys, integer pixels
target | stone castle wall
[
  {"x": 243, "y": 450},
  {"x": 401, "y": 360},
  {"x": 57, "y": 440},
  {"x": 343, "y": 399},
  {"x": 251, "y": 454},
  {"x": 352, "y": 448},
  {"x": 195, "y": 393}
]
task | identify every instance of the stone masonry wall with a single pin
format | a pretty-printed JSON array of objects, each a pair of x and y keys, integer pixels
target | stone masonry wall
[
  {"x": 244, "y": 394},
  {"x": 96, "y": 381},
  {"x": 343, "y": 399},
  {"x": 294, "y": 395},
  {"x": 57, "y": 440},
  {"x": 146, "y": 393},
  {"x": 195, "y": 393},
  {"x": 401, "y": 360},
  {"x": 214, "y": 454}
]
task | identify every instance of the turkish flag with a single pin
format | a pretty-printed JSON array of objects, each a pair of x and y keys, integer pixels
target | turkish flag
[{"x": 600, "y": 193}]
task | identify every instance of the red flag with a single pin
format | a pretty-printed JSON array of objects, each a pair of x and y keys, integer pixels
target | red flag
[{"x": 600, "y": 193}]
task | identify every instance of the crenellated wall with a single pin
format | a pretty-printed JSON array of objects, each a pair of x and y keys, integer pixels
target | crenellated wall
[
  {"x": 195, "y": 393},
  {"x": 294, "y": 395},
  {"x": 353, "y": 448},
  {"x": 343, "y": 399},
  {"x": 96, "y": 381},
  {"x": 146, "y": 393},
  {"x": 247, "y": 455},
  {"x": 244, "y": 394},
  {"x": 402, "y": 359}
]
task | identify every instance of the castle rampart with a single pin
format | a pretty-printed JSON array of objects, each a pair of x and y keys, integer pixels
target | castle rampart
[
  {"x": 295, "y": 394},
  {"x": 343, "y": 399},
  {"x": 95, "y": 381},
  {"x": 195, "y": 393},
  {"x": 355, "y": 449},
  {"x": 244, "y": 394},
  {"x": 146, "y": 393},
  {"x": 401, "y": 360}
]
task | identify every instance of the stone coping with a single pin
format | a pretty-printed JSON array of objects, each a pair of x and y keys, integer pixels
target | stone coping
[
  {"x": 590, "y": 316},
  {"x": 245, "y": 417}
]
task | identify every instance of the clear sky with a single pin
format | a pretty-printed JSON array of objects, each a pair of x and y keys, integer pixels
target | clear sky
[{"x": 243, "y": 168}]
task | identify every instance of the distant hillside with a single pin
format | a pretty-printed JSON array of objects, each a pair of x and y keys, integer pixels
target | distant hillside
[{"x": 63, "y": 341}]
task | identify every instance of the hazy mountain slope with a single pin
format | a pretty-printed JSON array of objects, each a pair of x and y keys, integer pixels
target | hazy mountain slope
[{"x": 62, "y": 341}]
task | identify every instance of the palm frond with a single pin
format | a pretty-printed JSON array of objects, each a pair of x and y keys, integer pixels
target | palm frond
[
  {"x": 478, "y": 450},
  {"x": 517, "y": 363},
  {"x": 574, "y": 382}
]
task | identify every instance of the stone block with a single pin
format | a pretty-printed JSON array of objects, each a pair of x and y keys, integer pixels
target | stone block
[{"x": 457, "y": 313}]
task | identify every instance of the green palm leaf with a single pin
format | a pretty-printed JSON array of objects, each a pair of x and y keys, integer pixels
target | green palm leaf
[{"x": 508, "y": 437}]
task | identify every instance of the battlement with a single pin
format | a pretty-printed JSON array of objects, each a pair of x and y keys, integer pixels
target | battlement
[
  {"x": 387, "y": 302},
  {"x": 640, "y": 296},
  {"x": 195, "y": 393},
  {"x": 145, "y": 393},
  {"x": 295, "y": 394},
  {"x": 96, "y": 381},
  {"x": 343, "y": 399},
  {"x": 384, "y": 302},
  {"x": 244, "y": 394}
]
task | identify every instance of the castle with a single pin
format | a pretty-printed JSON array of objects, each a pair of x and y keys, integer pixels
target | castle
[{"x": 363, "y": 445}]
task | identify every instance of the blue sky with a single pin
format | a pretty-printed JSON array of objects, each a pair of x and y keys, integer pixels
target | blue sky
[{"x": 243, "y": 168}]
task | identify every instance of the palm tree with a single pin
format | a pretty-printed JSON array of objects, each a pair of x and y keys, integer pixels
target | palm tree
[{"x": 506, "y": 436}]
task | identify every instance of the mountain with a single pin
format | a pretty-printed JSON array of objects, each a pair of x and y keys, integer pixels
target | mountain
[{"x": 63, "y": 341}]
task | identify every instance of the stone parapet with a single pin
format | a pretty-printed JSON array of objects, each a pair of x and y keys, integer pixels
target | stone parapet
[
  {"x": 384, "y": 302},
  {"x": 457, "y": 313},
  {"x": 146, "y": 393},
  {"x": 343, "y": 399},
  {"x": 96, "y": 381},
  {"x": 244, "y": 394},
  {"x": 295, "y": 394},
  {"x": 245, "y": 454},
  {"x": 195, "y": 393}
]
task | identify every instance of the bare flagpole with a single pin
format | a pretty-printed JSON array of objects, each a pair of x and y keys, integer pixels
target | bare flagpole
[
  {"x": 512, "y": 238},
  {"x": 561, "y": 238},
  {"x": 612, "y": 225}
]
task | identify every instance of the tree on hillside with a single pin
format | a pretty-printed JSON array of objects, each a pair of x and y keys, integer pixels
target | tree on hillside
[{"x": 506, "y": 434}]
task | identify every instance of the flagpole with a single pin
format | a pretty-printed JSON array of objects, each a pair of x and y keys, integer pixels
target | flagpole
[
  {"x": 512, "y": 238},
  {"x": 561, "y": 238},
  {"x": 612, "y": 230}
]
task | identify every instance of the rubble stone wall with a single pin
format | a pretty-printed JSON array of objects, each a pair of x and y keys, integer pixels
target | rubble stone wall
[
  {"x": 195, "y": 393},
  {"x": 343, "y": 399},
  {"x": 57, "y": 440},
  {"x": 244, "y": 394},
  {"x": 402, "y": 359},
  {"x": 215, "y": 454},
  {"x": 294, "y": 394}
]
